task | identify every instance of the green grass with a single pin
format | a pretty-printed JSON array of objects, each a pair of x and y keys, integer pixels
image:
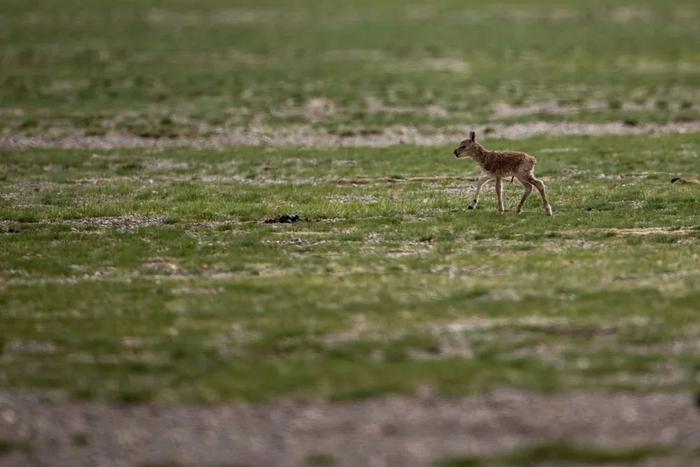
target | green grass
[
  {"x": 182, "y": 68},
  {"x": 140, "y": 275},
  {"x": 320, "y": 459},
  {"x": 8, "y": 447}
]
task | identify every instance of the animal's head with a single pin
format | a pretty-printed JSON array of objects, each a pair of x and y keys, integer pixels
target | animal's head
[{"x": 467, "y": 146}]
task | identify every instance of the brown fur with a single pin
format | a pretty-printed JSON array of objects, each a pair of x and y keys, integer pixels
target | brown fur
[{"x": 500, "y": 164}]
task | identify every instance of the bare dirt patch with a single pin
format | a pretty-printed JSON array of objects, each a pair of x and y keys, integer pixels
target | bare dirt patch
[
  {"x": 638, "y": 231},
  {"x": 452, "y": 65},
  {"x": 164, "y": 267},
  {"x": 382, "y": 180},
  {"x": 125, "y": 223},
  {"x": 409, "y": 431},
  {"x": 307, "y": 136},
  {"x": 346, "y": 199},
  {"x": 121, "y": 223},
  {"x": 652, "y": 231},
  {"x": 506, "y": 110},
  {"x": 227, "y": 17}
]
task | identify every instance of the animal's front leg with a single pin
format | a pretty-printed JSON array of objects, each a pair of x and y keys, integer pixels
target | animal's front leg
[
  {"x": 527, "y": 189},
  {"x": 483, "y": 179},
  {"x": 499, "y": 194}
]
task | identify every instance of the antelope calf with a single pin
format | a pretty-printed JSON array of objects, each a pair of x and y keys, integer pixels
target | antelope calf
[{"x": 500, "y": 164}]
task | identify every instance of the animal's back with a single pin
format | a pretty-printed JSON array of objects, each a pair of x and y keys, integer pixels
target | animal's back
[{"x": 505, "y": 163}]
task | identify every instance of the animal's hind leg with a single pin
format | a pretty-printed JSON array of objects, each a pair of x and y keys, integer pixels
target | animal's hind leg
[
  {"x": 540, "y": 187},
  {"x": 527, "y": 187},
  {"x": 499, "y": 195},
  {"x": 483, "y": 179}
]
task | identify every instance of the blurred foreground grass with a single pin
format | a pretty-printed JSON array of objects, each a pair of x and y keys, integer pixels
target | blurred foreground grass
[{"x": 181, "y": 68}]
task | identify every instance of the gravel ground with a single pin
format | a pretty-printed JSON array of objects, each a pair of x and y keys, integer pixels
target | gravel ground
[
  {"x": 390, "y": 431},
  {"x": 307, "y": 136}
]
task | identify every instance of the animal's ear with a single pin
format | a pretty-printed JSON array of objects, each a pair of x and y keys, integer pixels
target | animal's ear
[{"x": 472, "y": 136}]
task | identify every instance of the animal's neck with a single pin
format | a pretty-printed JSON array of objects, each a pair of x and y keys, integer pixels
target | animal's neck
[{"x": 479, "y": 153}]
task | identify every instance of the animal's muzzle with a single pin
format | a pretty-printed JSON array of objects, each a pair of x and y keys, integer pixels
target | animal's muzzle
[{"x": 456, "y": 153}]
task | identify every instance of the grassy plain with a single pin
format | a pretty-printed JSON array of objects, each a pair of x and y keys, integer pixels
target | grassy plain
[
  {"x": 135, "y": 274},
  {"x": 136, "y": 264}
]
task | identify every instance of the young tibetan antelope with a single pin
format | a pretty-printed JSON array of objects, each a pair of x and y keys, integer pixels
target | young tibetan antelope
[{"x": 501, "y": 164}]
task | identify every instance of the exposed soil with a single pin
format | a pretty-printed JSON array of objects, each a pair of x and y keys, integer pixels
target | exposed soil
[
  {"x": 639, "y": 231},
  {"x": 406, "y": 431},
  {"x": 505, "y": 110},
  {"x": 307, "y": 136},
  {"x": 380, "y": 180},
  {"x": 123, "y": 223}
]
